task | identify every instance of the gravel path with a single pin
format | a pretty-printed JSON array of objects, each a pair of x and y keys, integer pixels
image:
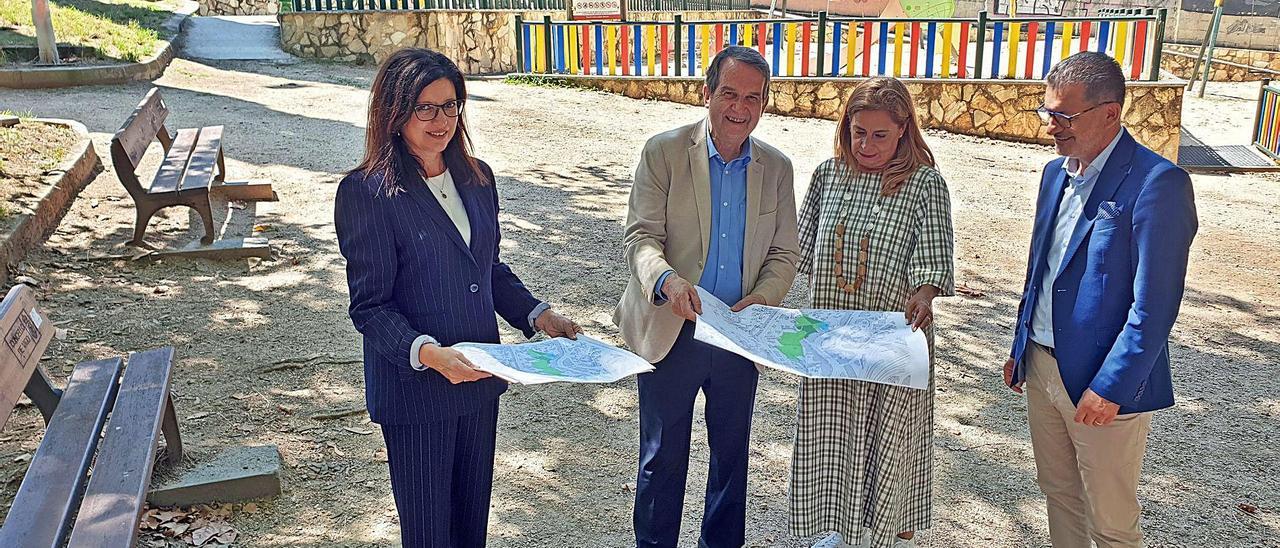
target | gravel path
[{"x": 566, "y": 456}]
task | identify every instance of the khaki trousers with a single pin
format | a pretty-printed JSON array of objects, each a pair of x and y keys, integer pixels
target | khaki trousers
[{"x": 1088, "y": 474}]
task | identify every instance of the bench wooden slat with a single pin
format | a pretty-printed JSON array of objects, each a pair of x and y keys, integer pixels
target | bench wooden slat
[
  {"x": 141, "y": 127},
  {"x": 26, "y": 334},
  {"x": 51, "y": 489},
  {"x": 175, "y": 162},
  {"x": 204, "y": 159},
  {"x": 112, "y": 506}
]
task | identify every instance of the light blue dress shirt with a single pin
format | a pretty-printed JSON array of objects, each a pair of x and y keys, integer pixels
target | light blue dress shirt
[
  {"x": 1079, "y": 187},
  {"x": 722, "y": 276}
]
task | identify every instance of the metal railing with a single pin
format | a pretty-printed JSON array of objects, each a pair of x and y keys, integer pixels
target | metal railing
[
  {"x": 539, "y": 5},
  {"x": 1266, "y": 128},
  {"x": 827, "y": 46}
]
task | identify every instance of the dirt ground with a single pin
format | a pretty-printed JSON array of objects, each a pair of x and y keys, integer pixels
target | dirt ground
[{"x": 567, "y": 454}]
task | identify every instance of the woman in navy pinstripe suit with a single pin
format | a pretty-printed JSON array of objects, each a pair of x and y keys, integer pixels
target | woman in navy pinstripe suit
[{"x": 417, "y": 222}]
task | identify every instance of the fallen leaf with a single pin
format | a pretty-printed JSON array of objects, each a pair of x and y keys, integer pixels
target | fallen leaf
[
  {"x": 174, "y": 528},
  {"x": 203, "y": 534},
  {"x": 357, "y": 431},
  {"x": 1247, "y": 508},
  {"x": 250, "y": 508},
  {"x": 198, "y": 416},
  {"x": 169, "y": 515}
]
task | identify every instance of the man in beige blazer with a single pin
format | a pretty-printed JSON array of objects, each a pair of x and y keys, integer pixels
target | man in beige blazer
[{"x": 713, "y": 206}]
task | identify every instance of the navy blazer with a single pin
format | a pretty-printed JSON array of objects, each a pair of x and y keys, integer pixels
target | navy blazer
[
  {"x": 410, "y": 273},
  {"x": 1120, "y": 284}
]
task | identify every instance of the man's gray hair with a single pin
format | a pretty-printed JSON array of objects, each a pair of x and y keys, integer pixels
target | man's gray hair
[
  {"x": 1101, "y": 76},
  {"x": 744, "y": 55}
]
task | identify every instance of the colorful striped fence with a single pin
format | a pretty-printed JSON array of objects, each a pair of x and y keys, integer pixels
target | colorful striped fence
[
  {"x": 550, "y": 5},
  {"x": 823, "y": 46},
  {"x": 1266, "y": 129}
]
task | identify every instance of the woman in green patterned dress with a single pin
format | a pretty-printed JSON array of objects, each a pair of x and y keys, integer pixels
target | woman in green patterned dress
[{"x": 875, "y": 234}]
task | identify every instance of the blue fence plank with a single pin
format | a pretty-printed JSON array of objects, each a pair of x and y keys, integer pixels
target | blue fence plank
[
  {"x": 528, "y": 47},
  {"x": 638, "y": 42},
  {"x": 884, "y": 47},
  {"x": 1103, "y": 29},
  {"x": 997, "y": 40},
  {"x": 599, "y": 49},
  {"x": 928, "y": 53},
  {"x": 1048, "y": 48},
  {"x": 693, "y": 58},
  {"x": 835, "y": 49},
  {"x": 777, "y": 48},
  {"x": 557, "y": 45}
]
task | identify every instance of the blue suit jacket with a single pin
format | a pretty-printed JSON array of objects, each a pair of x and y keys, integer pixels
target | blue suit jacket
[
  {"x": 409, "y": 274},
  {"x": 1120, "y": 285}
]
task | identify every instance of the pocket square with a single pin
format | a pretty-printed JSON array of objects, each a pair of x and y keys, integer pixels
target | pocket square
[{"x": 1108, "y": 210}]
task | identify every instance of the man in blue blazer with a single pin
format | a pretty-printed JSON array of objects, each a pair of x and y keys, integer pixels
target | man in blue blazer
[{"x": 1113, "y": 228}]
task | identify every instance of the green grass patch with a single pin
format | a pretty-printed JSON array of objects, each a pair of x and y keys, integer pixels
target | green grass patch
[
  {"x": 28, "y": 151},
  {"x": 126, "y": 30},
  {"x": 539, "y": 81}
]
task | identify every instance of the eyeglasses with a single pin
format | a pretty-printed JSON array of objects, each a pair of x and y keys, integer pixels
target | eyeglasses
[
  {"x": 426, "y": 112},
  {"x": 1064, "y": 120}
]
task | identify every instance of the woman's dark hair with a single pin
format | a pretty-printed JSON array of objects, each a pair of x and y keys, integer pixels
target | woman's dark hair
[{"x": 400, "y": 80}]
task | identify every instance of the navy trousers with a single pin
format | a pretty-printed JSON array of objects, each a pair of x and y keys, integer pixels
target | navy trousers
[
  {"x": 441, "y": 477},
  {"x": 667, "y": 394}
]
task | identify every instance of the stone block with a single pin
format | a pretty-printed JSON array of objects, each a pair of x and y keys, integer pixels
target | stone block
[{"x": 234, "y": 474}]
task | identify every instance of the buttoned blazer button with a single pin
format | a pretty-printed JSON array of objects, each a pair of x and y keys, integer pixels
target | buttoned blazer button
[{"x": 475, "y": 288}]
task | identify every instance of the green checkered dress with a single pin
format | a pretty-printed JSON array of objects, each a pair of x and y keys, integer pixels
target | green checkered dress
[{"x": 863, "y": 454}]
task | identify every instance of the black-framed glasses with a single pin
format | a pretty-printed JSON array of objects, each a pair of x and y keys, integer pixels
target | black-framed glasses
[
  {"x": 1064, "y": 119},
  {"x": 426, "y": 112}
]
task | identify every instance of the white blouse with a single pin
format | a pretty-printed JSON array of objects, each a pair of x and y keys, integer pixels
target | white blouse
[{"x": 446, "y": 194}]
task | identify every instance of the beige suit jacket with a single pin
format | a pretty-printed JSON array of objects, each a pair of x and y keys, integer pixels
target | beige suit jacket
[{"x": 669, "y": 224}]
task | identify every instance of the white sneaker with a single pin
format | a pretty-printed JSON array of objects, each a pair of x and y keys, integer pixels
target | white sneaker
[
  {"x": 899, "y": 542},
  {"x": 830, "y": 541},
  {"x": 834, "y": 540}
]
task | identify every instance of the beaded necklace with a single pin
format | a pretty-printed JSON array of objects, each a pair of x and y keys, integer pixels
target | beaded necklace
[{"x": 864, "y": 243}]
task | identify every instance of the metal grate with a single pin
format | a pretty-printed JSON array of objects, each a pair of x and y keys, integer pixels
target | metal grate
[{"x": 1194, "y": 154}]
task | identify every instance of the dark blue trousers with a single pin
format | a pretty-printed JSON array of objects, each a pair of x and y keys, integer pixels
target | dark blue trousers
[
  {"x": 667, "y": 394},
  {"x": 442, "y": 476}
]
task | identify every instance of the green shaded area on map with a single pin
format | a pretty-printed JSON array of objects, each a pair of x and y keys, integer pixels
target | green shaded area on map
[
  {"x": 542, "y": 362},
  {"x": 789, "y": 341}
]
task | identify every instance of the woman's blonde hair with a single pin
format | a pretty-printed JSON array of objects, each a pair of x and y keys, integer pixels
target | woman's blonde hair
[{"x": 890, "y": 96}]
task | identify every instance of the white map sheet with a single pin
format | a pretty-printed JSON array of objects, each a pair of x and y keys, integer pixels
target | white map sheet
[
  {"x": 829, "y": 344},
  {"x": 559, "y": 359}
]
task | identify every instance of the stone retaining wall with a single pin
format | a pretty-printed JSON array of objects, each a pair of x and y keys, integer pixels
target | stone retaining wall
[
  {"x": 238, "y": 7},
  {"x": 1246, "y": 65},
  {"x": 480, "y": 41},
  {"x": 999, "y": 109},
  {"x": 1260, "y": 33}
]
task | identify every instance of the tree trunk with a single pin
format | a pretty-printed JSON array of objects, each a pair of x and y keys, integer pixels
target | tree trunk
[{"x": 44, "y": 32}]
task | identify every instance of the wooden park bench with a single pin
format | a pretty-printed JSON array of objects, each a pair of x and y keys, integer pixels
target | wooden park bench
[
  {"x": 102, "y": 422},
  {"x": 193, "y": 165}
]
